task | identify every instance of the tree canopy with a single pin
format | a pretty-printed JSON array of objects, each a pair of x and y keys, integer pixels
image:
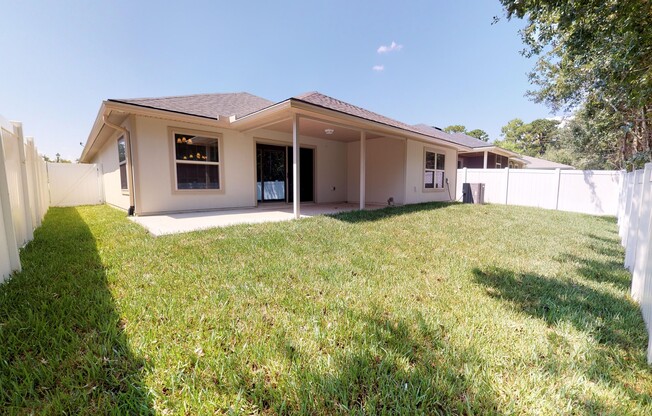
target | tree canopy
[
  {"x": 477, "y": 133},
  {"x": 594, "y": 57},
  {"x": 532, "y": 139},
  {"x": 455, "y": 128}
]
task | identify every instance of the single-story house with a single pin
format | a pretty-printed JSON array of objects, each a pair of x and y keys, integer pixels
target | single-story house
[
  {"x": 481, "y": 155},
  {"x": 236, "y": 150}
]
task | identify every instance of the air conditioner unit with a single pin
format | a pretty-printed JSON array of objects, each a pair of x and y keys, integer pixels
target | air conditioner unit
[{"x": 473, "y": 193}]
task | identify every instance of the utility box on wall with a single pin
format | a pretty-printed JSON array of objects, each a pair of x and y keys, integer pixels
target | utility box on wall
[{"x": 473, "y": 193}]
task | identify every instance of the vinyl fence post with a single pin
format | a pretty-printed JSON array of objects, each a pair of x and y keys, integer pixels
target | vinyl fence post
[
  {"x": 32, "y": 158},
  {"x": 640, "y": 259},
  {"x": 29, "y": 227},
  {"x": 558, "y": 173},
  {"x": 7, "y": 215},
  {"x": 634, "y": 216},
  {"x": 506, "y": 184}
]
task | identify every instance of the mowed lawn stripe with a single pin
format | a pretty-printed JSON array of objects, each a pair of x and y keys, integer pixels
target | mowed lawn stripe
[{"x": 432, "y": 308}]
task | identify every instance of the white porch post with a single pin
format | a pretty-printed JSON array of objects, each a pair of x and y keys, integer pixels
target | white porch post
[
  {"x": 295, "y": 167},
  {"x": 485, "y": 159},
  {"x": 363, "y": 159}
]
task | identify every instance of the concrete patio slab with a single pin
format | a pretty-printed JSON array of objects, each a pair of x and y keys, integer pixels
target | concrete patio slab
[{"x": 193, "y": 221}]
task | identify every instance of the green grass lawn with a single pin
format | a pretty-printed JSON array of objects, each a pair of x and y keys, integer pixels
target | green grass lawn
[{"x": 433, "y": 309}]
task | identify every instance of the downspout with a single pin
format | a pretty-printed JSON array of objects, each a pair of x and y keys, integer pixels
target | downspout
[{"x": 130, "y": 170}]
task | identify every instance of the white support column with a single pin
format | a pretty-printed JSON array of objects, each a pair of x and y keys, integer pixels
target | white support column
[
  {"x": 486, "y": 158},
  {"x": 29, "y": 227},
  {"x": 363, "y": 161},
  {"x": 296, "y": 195}
]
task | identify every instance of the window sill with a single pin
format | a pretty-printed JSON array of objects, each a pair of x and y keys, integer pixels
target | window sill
[
  {"x": 428, "y": 190},
  {"x": 197, "y": 191}
]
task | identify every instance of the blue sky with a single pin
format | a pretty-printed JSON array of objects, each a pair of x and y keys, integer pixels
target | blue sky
[{"x": 449, "y": 64}]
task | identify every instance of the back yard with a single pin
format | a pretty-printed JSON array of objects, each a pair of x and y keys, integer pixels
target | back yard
[{"x": 429, "y": 308}]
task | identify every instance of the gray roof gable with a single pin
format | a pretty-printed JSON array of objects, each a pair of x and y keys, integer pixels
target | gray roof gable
[{"x": 204, "y": 105}]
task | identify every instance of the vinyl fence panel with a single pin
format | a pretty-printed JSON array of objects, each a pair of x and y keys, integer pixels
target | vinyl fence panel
[
  {"x": 590, "y": 192},
  {"x": 23, "y": 194},
  {"x": 635, "y": 226},
  {"x": 74, "y": 184}
]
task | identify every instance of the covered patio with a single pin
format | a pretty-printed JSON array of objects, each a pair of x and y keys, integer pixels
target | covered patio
[
  {"x": 167, "y": 224},
  {"x": 349, "y": 159}
]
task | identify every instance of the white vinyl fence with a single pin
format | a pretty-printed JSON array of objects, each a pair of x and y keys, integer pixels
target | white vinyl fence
[
  {"x": 74, "y": 184},
  {"x": 586, "y": 191},
  {"x": 24, "y": 196},
  {"x": 634, "y": 222}
]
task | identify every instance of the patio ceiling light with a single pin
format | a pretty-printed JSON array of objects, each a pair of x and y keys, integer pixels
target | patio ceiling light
[{"x": 329, "y": 131}]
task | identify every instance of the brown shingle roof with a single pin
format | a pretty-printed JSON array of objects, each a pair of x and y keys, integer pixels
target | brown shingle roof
[
  {"x": 241, "y": 104},
  {"x": 204, "y": 105},
  {"x": 331, "y": 103},
  {"x": 460, "y": 138}
]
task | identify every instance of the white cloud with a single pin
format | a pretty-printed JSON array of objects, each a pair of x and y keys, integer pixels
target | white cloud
[
  {"x": 391, "y": 48},
  {"x": 378, "y": 68}
]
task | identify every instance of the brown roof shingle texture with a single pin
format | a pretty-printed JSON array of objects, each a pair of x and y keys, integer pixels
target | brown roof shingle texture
[
  {"x": 331, "y": 103},
  {"x": 459, "y": 138},
  {"x": 204, "y": 105}
]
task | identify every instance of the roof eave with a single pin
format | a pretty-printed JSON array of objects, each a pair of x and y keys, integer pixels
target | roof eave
[{"x": 128, "y": 108}]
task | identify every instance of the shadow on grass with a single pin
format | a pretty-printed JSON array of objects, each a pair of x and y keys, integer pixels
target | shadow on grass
[
  {"x": 62, "y": 347},
  {"x": 609, "y": 320},
  {"x": 392, "y": 366},
  {"x": 611, "y": 271},
  {"x": 615, "y": 240},
  {"x": 388, "y": 212},
  {"x": 613, "y": 322}
]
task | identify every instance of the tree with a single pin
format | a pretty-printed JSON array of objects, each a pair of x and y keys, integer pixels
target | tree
[
  {"x": 455, "y": 128},
  {"x": 593, "y": 55},
  {"x": 479, "y": 134},
  {"x": 582, "y": 142},
  {"x": 532, "y": 139}
]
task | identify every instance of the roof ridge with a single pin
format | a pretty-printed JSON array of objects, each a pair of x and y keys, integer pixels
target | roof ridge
[
  {"x": 308, "y": 94},
  {"x": 187, "y": 96},
  {"x": 359, "y": 108}
]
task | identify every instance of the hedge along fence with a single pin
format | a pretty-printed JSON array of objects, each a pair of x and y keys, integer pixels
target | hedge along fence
[
  {"x": 635, "y": 230},
  {"x": 24, "y": 198},
  {"x": 587, "y": 191}
]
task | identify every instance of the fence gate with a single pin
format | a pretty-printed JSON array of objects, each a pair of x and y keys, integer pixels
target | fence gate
[{"x": 73, "y": 184}]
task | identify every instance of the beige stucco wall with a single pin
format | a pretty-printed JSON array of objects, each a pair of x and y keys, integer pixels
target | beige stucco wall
[
  {"x": 415, "y": 192},
  {"x": 155, "y": 187},
  {"x": 384, "y": 171},
  {"x": 107, "y": 160},
  {"x": 394, "y": 168},
  {"x": 154, "y": 175}
]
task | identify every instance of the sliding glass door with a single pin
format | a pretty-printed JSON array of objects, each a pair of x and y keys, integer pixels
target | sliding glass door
[
  {"x": 274, "y": 173},
  {"x": 271, "y": 164}
]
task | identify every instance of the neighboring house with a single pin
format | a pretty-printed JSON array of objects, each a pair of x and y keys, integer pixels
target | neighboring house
[
  {"x": 481, "y": 155},
  {"x": 219, "y": 151},
  {"x": 537, "y": 163}
]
